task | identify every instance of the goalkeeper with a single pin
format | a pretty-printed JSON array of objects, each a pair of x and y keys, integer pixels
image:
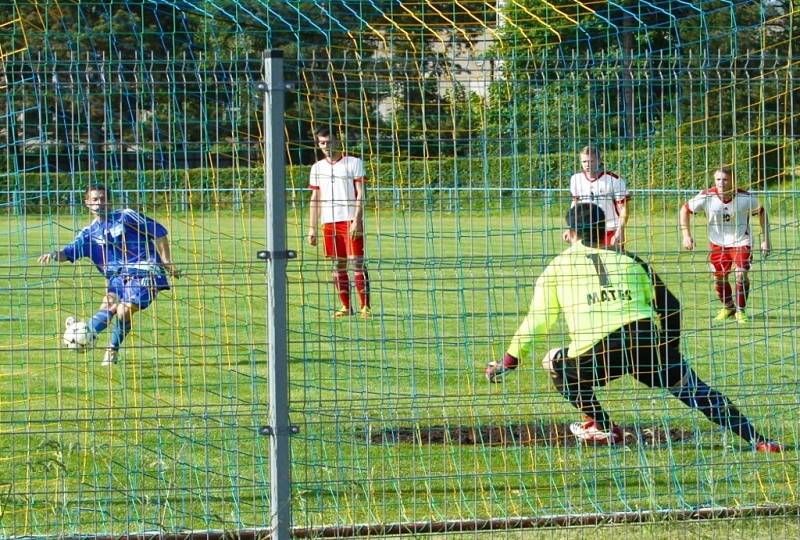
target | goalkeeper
[{"x": 621, "y": 320}]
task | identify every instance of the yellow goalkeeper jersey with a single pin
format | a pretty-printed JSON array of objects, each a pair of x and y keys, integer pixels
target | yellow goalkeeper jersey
[{"x": 597, "y": 290}]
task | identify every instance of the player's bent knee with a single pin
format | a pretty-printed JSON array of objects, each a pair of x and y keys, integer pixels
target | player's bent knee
[
  {"x": 110, "y": 302},
  {"x": 124, "y": 311},
  {"x": 564, "y": 378},
  {"x": 553, "y": 358}
]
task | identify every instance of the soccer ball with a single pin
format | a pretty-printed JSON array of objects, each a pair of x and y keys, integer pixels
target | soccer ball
[{"x": 77, "y": 335}]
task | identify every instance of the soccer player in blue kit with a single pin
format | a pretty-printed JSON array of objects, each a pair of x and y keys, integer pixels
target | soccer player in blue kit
[{"x": 132, "y": 251}]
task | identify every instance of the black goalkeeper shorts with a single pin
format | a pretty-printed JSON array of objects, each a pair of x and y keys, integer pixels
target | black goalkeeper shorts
[{"x": 634, "y": 349}]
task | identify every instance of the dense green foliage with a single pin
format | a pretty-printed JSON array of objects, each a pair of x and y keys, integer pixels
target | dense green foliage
[
  {"x": 185, "y": 77},
  {"x": 667, "y": 167}
]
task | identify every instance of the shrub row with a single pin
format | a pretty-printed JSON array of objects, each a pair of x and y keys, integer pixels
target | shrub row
[{"x": 666, "y": 166}]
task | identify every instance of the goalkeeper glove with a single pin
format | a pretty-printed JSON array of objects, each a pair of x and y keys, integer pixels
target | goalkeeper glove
[{"x": 496, "y": 371}]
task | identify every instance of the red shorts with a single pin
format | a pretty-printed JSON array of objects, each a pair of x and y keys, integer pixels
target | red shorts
[
  {"x": 338, "y": 242},
  {"x": 609, "y": 237},
  {"x": 722, "y": 259}
]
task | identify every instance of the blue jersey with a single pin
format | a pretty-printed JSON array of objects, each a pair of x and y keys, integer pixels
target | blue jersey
[{"x": 122, "y": 244}]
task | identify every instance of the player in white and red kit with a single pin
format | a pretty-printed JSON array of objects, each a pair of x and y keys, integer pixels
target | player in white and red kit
[
  {"x": 607, "y": 190},
  {"x": 728, "y": 211},
  {"x": 337, "y": 201}
]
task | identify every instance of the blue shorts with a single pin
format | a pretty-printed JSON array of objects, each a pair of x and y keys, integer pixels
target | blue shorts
[{"x": 137, "y": 290}]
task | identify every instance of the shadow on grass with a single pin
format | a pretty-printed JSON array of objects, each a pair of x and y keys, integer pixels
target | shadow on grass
[{"x": 516, "y": 435}]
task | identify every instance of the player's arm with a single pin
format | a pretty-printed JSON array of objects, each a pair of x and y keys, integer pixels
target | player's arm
[
  {"x": 622, "y": 210},
  {"x": 56, "y": 255},
  {"x": 542, "y": 315},
  {"x": 573, "y": 190},
  {"x": 357, "y": 225},
  {"x": 621, "y": 197},
  {"x": 666, "y": 305},
  {"x": 763, "y": 221},
  {"x": 165, "y": 253},
  {"x": 73, "y": 251},
  {"x": 143, "y": 224},
  {"x": 155, "y": 230},
  {"x": 686, "y": 227},
  {"x": 313, "y": 216}
]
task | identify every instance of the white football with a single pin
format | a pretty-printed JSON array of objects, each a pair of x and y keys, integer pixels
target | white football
[{"x": 77, "y": 335}]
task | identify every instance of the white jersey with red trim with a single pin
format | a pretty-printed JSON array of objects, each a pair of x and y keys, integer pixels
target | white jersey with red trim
[
  {"x": 606, "y": 191},
  {"x": 728, "y": 221},
  {"x": 336, "y": 182}
]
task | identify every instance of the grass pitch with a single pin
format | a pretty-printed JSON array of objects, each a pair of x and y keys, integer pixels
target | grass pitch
[{"x": 169, "y": 439}]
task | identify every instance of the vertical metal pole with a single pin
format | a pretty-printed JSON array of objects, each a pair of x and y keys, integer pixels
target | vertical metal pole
[{"x": 275, "y": 206}]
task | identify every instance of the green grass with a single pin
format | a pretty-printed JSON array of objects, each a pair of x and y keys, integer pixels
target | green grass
[{"x": 169, "y": 438}]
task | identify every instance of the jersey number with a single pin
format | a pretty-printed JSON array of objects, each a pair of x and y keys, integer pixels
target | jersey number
[{"x": 600, "y": 268}]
